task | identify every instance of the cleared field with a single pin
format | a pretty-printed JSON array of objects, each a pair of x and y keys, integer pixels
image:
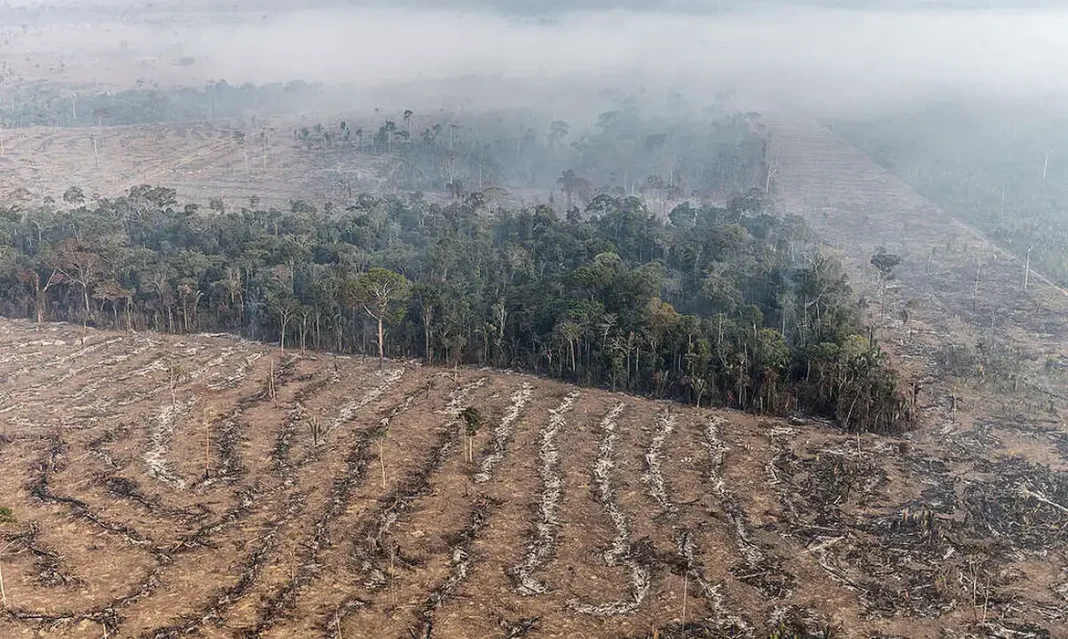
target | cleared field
[
  {"x": 953, "y": 287},
  {"x": 199, "y": 160},
  {"x": 207, "y": 486}
]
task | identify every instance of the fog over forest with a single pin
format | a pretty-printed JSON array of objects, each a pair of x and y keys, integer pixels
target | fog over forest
[{"x": 817, "y": 56}]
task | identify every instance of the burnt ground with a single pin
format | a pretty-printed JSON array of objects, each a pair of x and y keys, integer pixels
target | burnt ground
[
  {"x": 199, "y": 160},
  {"x": 217, "y": 512},
  {"x": 987, "y": 465}
]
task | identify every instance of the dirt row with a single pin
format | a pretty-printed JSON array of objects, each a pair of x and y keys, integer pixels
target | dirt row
[{"x": 317, "y": 496}]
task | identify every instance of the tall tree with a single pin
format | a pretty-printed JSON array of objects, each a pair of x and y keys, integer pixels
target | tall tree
[
  {"x": 572, "y": 184},
  {"x": 382, "y": 294},
  {"x": 408, "y": 113},
  {"x": 558, "y": 130},
  {"x": 428, "y": 300},
  {"x": 81, "y": 265}
]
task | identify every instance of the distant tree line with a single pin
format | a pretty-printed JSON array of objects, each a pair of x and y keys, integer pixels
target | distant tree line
[
  {"x": 661, "y": 152},
  {"x": 44, "y": 104},
  {"x": 716, "y": 305},
  {"x": 663, "y": 158}
]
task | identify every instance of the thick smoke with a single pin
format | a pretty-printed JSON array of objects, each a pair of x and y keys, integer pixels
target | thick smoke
[{"x": 831, "y": 61}]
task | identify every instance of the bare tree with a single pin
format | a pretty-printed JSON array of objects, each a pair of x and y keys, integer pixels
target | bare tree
[
  {"x": 29, "y": 277},
  {"x": 80, "y": 265}
]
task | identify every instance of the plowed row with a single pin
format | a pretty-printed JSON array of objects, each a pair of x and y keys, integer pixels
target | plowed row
[{"x": 336, "y": 500}]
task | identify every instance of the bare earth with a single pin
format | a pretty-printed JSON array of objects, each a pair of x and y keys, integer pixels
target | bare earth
[
  {"x": 287, "y": 495},
  {"x": 200, "y": 160}
]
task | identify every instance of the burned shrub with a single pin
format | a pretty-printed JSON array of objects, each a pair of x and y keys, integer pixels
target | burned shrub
[
  {"x": 793, "y": 622},
  {"x": 1024, "y": 509}
]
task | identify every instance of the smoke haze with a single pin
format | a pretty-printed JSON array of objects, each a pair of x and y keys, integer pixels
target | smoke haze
[{"x": 828, "y": 60}]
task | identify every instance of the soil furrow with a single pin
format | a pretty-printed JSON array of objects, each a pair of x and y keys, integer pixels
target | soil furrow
[
  {"x": 621, "y": 549},
  {"x": 360, "y": 455},
  {"x": 759, "y": 568},
  {"x": 249, "y": 572},
  {"x": 546, "y": 529},
  {"x": 502, "y": 435},
  {"x": 478, "y": 516}
]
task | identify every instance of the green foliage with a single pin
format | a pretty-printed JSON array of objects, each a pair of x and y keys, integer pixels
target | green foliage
[
  {"x": 724, "y": 305},
  {"x": 885, "y": 262},
  {"x": 6, "y": 516},
  {"x": 382, "y": 293},
  {"x": 472, "y": 419}
]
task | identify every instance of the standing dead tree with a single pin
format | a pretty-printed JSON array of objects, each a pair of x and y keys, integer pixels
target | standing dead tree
[
  {"x": 81, "y": 266},
  {"x": 30, "y": 278}
]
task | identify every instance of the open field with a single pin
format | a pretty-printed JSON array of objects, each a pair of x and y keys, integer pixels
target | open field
[
  {"x": 953, "y": 288},
  {"x": 199, "y": 160},
  {"x": 279, "y": 495},
  {"x": 206, "y": 486}
]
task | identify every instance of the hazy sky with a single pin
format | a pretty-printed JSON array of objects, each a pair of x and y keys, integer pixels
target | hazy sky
[
  {"x": 557, "y": 6},
  {"x": 822, "y": 58}
]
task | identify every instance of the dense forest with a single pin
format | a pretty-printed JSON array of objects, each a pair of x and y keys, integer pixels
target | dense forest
[
  {"x": 1003, "y": 169},
  {"x": 727, "y": 305}
]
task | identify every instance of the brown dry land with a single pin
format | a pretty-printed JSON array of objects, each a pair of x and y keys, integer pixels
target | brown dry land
[
  {"x": 283, "y": 495},
  {"x": 217, "y": 511}
]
